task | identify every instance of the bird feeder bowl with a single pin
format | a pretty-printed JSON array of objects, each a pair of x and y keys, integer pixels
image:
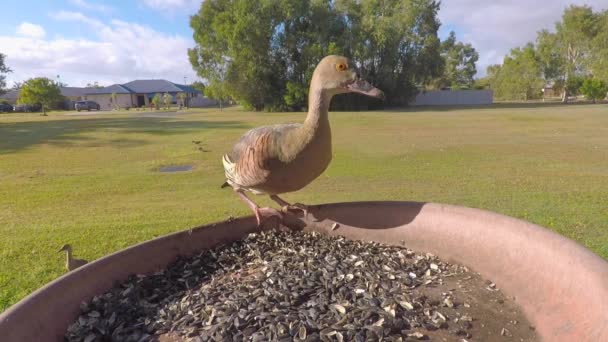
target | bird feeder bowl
[{"x": 561, "y": 286}]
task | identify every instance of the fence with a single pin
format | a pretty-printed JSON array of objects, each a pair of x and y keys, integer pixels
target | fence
[{"x": 454, "y": 98}]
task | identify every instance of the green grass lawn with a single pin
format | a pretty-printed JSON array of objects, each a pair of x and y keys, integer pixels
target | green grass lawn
[{"x": 92, "y": 180}]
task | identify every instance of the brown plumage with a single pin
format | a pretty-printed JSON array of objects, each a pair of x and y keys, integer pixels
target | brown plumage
[
  {"x": 71, "y": 263},
  {"x": 283, "y": 158}
]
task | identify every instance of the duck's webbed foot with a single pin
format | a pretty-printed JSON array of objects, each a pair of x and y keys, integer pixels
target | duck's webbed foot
[
  {"x": 260, "y": 213},
  {"x": 286, "y": 206}
]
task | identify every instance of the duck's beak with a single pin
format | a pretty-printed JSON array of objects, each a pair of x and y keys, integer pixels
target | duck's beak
[{"x": 361, "y": 86}]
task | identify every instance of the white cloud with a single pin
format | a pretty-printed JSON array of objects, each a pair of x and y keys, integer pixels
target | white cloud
[
  {"x": 79, "y": 17},
  {"x": 173, "y": 5},
  {"x": 495, "y": 27},
  {"x": 91, "y": 6},
  {"x": 30, "y": 30},
  {"x": 120, "y": 52}
]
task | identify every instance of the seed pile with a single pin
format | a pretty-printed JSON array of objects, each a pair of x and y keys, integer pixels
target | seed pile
[{"x": 281, "y": 286}]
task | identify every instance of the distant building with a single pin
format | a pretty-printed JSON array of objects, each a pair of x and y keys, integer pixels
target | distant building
[
  {"x": 138, "y": 93},
  {"x": 10, "y": 96},
  {"x": 549, "y": 90}
]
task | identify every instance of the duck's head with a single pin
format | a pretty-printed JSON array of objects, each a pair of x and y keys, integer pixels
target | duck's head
[
  {"x": 65, "y": 248},
  {"x": 338, "y": 75}
]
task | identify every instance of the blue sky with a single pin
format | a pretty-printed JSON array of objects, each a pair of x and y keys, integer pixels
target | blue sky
[
  {"x": 85, "y": 41},
  {"x": 116, "y": 41},
  {"x": 164, "y": 16}
]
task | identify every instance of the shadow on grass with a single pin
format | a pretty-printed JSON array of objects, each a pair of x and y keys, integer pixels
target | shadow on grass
[
  {"x": 21, "y": 135},
  {"x": 514, "y": 105}
]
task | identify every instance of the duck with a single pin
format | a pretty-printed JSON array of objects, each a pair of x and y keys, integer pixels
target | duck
[
  {"x": 282, "y": 158},
  {"x": 71, "y": 263}
]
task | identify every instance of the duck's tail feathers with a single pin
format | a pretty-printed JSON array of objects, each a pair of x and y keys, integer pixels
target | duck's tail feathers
[{"x": 228, "y": 170}]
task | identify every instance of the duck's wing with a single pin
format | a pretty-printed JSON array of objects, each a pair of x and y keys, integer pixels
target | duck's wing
[{"x": 249, "y": 162}]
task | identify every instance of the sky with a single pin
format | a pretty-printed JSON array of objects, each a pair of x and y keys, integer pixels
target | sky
[{"x": 116, "y": 41}]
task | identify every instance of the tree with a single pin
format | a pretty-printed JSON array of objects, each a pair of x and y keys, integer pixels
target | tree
[
  {"x": 3, "y": 71},
  {"x": 41, "y": 91},
  {"x": 263, "y": 52},
  {"x": 198, "y": 85},
  {"x": 459, "y": 64},
  {"x": 181, "y": 97},
  {"x": 572, "y": 85},
  {"x": 157, "y": 99},
  {"x": 167, "y": 100},
  {"x": 94, "y": 85},
  {"x": 519, "y": 77},
  {"x": 489, "y": 81},
  {"x": 598, "y": 63},
  {"x": 594, "y": 89},
  {"x": 567, "y": 52},
  {"x": 217, "y": 90}
]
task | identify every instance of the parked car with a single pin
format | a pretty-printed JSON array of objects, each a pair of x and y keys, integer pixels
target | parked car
[
  {"x": 4, "y": 107},
  {"x": 27, "y": 108},
  {"x": 86, "y": 105}
]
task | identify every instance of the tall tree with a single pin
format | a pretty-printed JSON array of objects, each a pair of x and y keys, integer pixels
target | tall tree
[
  {"x": 520, "y": 76},
  {"x": 94, "y": 85},
  {"x": 598, "y": 62},
  {"x": 459, "y": 64},
  {"x": 41, "y": 91},
  {"x": 218, "y": 90},
  {"x": 3, "y": 71},
  {"x": 157, "y": 100},
  {"x": 594, "y": 89},
  {"x": 489, "y": 81},
  {"x": 566, "y": 52},
  {"x": 395, "y": 42},
  {"x": 268, "y": 49},
  {"x": 181, "y": 97},
  {"x": 198, "y": 85},
  {"x": 167, "y": 100}
]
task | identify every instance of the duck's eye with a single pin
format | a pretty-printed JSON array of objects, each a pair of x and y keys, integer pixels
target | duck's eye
[{"x": 341, "y": 66}]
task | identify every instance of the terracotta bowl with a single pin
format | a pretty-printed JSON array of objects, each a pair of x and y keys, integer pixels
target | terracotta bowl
[{"x": 561, "y": 286}]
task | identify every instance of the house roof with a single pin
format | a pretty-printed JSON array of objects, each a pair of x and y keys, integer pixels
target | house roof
[
  {"x": 152, "y": 86},
  {"x": 12, "y": 94},
  {"x": 114, "y": 88},
  {"x": 137, "y": 86},
  {"x": 73, "y": 91}
]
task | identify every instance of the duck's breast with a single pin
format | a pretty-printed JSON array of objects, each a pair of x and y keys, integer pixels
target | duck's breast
[{"x": 307, "y": 165}]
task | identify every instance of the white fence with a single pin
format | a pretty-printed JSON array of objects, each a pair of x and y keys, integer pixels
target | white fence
[
  {"x": 201, "y": 101},
  {"x": 454, "y": 98}
]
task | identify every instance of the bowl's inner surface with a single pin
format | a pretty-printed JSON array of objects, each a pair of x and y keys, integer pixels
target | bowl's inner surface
[{"x": 275, "y": 286}]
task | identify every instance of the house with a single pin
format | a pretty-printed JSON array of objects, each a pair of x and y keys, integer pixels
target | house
[
  {"x": 549, "y": 90},
  {"x": 138, "y": 93},
  {"x": 10, "y": 96},
  {"x": 124, "y": 97},
  {"x": 72, "y": 94}
]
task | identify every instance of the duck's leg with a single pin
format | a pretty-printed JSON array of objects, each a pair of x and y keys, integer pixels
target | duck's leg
[
  {"x": 286, "y": 206},
  {"x": 259, "y": 212}
]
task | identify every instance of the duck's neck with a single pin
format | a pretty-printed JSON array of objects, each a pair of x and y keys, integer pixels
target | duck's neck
[
  {"x": 314, "y": 128},
  {"x": 318, "y": 106},
  {"x": 68, "y": 255}
]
